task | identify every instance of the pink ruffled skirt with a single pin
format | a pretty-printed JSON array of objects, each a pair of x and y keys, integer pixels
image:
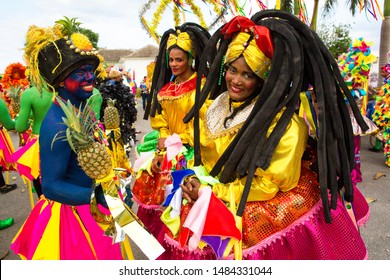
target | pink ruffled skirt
[
  {"x": 308, "y": 238},
  {"x": 54, "y": 231}
]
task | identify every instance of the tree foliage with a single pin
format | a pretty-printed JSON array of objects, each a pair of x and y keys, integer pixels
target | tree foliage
[
  {"x": 336, "y": 37},
  {"x": 287, "y": 5}
]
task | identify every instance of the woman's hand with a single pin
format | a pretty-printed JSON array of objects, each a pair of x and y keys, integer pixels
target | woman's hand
[
  {"x": 190, "y": 189},
  {"x": 156, "y": 164},
  {"x": 161, "y": 144},
  {"x": 158, "y": 159}
]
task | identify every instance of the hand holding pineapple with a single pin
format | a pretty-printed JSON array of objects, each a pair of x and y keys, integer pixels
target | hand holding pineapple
[{"x": 92, "y": 156}]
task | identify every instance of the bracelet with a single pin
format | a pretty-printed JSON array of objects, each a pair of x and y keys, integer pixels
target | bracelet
[
  {"x": 189, "y": 178},
  {"x": 159, "y": 153}
]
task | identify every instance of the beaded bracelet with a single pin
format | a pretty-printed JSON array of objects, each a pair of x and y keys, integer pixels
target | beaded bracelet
[{"x": 159, "y": 152}]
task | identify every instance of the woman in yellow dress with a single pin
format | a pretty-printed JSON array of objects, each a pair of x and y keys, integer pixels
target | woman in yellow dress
[
  {"x": 171, "y": 97},
  {"x": 260, "y": 187}
]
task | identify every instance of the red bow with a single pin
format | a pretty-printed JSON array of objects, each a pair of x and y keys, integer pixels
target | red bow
[{"x": 261, "y": 34}]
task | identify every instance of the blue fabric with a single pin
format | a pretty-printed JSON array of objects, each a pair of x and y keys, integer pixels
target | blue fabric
[{"x": 177, "y": 178}]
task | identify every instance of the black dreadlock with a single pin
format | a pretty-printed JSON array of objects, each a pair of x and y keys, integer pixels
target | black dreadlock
[
  {"x": 300, "y": 59},
  {"x": 162, "y": 73}
]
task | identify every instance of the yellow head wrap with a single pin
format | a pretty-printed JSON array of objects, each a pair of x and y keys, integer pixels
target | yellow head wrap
[
  {"x": 254, "y": 57},
  {"x": 182, "y": 40}
]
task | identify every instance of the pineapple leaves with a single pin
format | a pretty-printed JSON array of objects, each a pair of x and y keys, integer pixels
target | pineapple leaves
[
  {"x": 70, "y": 141},
  {"x": 15, "y": 90},
  {"x": 72, "y": 119},
  {"x": 58, "y": 137},
  {"x": 88, "y": 118},
  {"x": 81, "y": 124},
  {"x": 69, "y": 25}
]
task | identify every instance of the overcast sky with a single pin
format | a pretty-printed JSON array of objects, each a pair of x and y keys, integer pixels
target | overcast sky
[{"x": 118, "y": 23}]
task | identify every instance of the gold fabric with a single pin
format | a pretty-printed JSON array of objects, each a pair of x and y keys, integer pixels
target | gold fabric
[
  {"x": 176, "y": 101},
  {"x": 254, "y": 57},
  {"x": 182, "y": 40},
  {"x": 284, "y": 170},
  {"x": 263, "y": 218},
  {"x": 117, "y": 150}
]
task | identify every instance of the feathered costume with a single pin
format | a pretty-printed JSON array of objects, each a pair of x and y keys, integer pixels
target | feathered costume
[
  {"x": 357, "y": 62},
  {"x": 381, "y": 115},
  {"x": 125, "y": 103}
]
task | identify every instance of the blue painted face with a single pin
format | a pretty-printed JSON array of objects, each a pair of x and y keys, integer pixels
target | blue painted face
[{"x": 80, "y": 83}]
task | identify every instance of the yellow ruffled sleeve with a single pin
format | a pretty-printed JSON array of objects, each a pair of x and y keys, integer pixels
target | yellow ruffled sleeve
[
  {"x": 159, "y": 123},
  {"x": 167, "y": 125},
  {"x": 174, "y": 108}
]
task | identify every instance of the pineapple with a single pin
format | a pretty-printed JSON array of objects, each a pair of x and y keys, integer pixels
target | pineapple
[
  {"x": 111, "y": 115},
  {"x": 81, "y": 42},
  {"x": 77, "y": 40},
  {"x": 93, "y": 157},
  {"x": 14, "y": 94}
]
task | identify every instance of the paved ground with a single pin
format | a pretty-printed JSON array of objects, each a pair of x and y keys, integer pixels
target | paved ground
[{"x": 376, "y": 233}]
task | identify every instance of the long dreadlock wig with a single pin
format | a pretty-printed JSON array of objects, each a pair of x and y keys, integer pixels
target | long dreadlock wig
[
  {"x": 299, "y": 59},
  {"x": 191, "y": 38}
]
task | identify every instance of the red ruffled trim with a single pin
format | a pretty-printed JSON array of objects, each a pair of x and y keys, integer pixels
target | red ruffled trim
[{"x": 169, "y": 89}]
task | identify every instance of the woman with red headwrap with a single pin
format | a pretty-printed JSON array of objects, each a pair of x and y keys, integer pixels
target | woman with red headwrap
[{"x": 260, "y": 188}]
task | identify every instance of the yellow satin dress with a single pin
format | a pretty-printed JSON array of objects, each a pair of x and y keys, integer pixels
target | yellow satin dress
[
  {"x": 279, "y": 195},
  {"x": 176, "y": 100}
]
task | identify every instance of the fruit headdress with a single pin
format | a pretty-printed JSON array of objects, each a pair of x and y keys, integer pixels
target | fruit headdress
[{"x": 53, "y": 53}]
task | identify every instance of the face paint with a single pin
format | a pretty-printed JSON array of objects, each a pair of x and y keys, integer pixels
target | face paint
[{"x": 80, "y": 82}]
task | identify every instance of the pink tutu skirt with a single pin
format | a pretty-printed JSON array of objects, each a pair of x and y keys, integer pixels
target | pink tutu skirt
[
  {"x": 150, "y": 217},
  {"x": 307, "y": 238},
  {"x": 27, "y": 159},
  {"x": 54, "y": 231}
]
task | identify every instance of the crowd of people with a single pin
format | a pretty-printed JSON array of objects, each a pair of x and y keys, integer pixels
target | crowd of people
[{"x": 238, "y": 165}]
